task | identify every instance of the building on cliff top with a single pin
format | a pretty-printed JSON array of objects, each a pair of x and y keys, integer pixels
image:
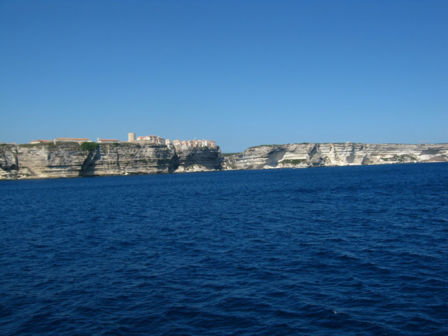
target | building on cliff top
[
  {"x": 39, "y": 141},
  {"x": 131, "y": 137},
  {"x": 78, "y": 140},
  {"x": 56, "y": 140},
  {"x": 178, "y": 144},
  {"x": 152, "y": 139},
  {"x": 99, "y": 140},
  {"x": 193, "y": 144}
]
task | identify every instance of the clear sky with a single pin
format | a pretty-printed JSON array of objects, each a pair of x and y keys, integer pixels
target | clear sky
[{"x": 240, "y": 72}]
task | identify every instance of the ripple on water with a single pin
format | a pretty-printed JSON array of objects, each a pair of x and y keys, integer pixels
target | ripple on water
[{"x": 332, "y": 251}]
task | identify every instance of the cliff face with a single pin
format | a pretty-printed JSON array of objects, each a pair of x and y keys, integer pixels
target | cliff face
[
  {"x": 69, "y": 160},
  {"x": 199, "y": 160},
  {"x": 41, "y": 161},
  {"x": 329, "y": 154},
  {"x": 129, "y": 158}
]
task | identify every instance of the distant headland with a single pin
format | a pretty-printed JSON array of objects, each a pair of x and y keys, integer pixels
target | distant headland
[{"x": 150, "y": 154}]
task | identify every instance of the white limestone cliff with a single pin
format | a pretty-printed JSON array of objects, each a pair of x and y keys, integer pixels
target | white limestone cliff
[
  {"x": 333, "y": 154},
  {"x": 70, "y": 160}
]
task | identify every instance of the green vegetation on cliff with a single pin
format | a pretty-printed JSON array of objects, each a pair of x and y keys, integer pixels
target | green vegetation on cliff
[{"x": 89, "y": 146}]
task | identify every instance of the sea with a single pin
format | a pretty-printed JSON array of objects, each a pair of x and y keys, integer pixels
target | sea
[{"x": 319, "y": 251}]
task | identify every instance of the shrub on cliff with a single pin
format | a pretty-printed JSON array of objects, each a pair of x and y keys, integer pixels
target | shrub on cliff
[{"x": 89, "y": 146}]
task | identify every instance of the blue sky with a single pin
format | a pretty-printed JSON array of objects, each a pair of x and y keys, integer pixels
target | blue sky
[{"x": 240, "y": 72}]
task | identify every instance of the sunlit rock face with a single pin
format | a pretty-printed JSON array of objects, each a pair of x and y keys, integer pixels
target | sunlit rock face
[
  {"x": 41, "y": 160},
  {"x": 70, "y": 160},
  {"x": 128, "y": 159},
  {"x": 333, "y": 154}
]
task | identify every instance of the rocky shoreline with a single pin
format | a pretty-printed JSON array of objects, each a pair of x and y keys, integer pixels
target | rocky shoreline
[
  {"x": 32, "y": 161},
  {"x": 304, "y": 155}
]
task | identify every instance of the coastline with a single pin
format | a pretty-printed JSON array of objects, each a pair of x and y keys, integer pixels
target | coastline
[{"x": 70, "y": 160}]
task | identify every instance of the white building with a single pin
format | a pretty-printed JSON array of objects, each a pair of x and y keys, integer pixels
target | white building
[{"x": 152, "y": 139}]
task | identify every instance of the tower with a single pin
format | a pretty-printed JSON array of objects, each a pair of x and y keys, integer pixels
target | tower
[{"x": 131, "y": 137}]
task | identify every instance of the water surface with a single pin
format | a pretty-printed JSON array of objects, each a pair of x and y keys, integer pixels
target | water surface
[{"x": 321, "y": 251}]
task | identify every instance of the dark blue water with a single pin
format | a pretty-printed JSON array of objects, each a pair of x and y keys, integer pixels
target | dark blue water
[{"x": 322, "y": 251}]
